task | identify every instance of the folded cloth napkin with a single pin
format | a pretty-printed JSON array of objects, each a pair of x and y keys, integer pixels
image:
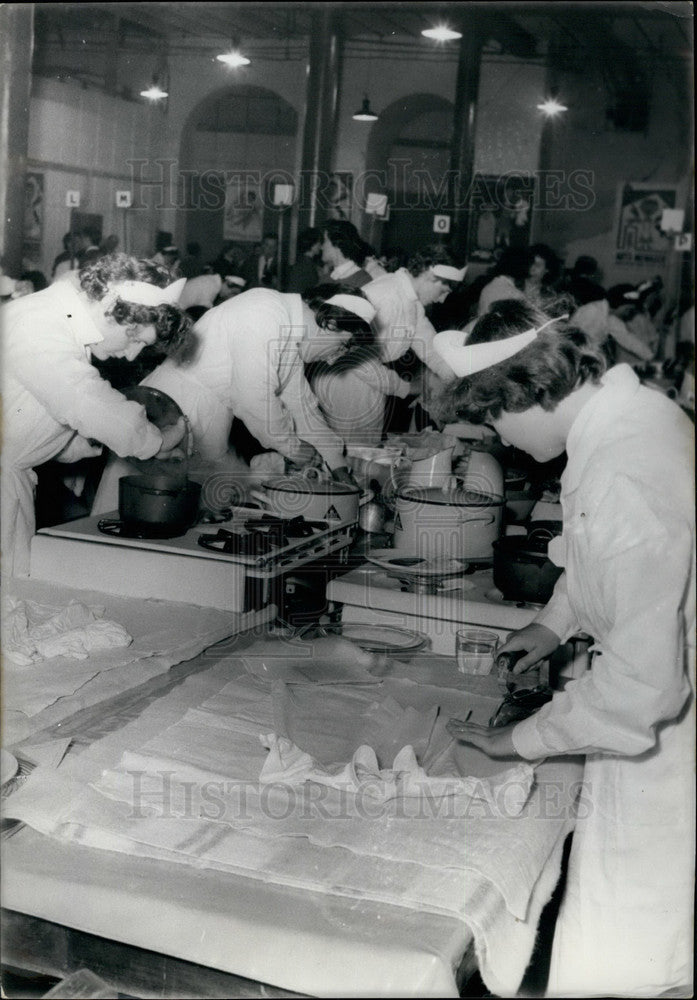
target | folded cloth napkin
[
  {"x": 505, "y": 793},
  {"x": 33, "y": 632}
]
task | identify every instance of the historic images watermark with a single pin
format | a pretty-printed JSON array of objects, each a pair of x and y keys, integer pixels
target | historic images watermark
[
  {"x": 162, "y": 795},
  {"x": 163, "y": 184}
]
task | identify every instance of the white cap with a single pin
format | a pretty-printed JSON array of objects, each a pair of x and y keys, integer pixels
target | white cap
[
  {"x": 466, "y": 359},
  {"x": 448, "y": 273},
  {"x": 355, "y": 304},
  {"x": 145, "y": 294}
]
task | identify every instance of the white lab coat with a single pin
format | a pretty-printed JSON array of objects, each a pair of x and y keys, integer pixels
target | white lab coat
[
  {"x": 247, "y": 365},
  {"x": 401, "y": 322},
  {"x": 499, "y": 288},
  {"x": 625, "y": 926},
  {"x": 50, "y": 391},
  {"x": 353, "y": 400}
]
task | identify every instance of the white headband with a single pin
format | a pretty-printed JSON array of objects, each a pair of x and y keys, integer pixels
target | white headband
[
  {"x": 466, "y": 359},
  {"x": 448, "y": 273},
  {"x": 354, "y": 304},
  {"x": 145, "y": 294}
]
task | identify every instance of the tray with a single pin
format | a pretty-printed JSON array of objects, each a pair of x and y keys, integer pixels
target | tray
[{"x": 375, "y": 638}]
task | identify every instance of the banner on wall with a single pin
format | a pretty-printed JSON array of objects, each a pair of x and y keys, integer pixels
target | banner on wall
[
  {"x": 243, "y": 218},
  {"x": 33, "y": 217},
  {"x": 500, "y": 213},
  {"x": 640, "y": 239}
]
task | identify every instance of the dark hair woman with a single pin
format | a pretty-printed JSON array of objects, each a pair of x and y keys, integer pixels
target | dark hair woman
[{"x": 627, "y": 550}]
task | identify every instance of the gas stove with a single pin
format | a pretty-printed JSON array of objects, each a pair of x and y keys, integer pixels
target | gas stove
[{"x": 233, "y": 565}]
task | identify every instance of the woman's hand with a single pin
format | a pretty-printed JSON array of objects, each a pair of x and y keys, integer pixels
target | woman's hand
[
  {"x": 171, "y": 438},
  {"x": 496, "y": 742},
  {"x": 538, "y": 641}
]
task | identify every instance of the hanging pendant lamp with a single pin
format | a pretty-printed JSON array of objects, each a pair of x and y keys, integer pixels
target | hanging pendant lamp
[{"x": 364, "y": 113}]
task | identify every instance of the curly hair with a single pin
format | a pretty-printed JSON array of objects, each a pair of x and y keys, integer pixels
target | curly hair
[
  {"x": 172, "y": 326},
  {"x": 316, "y": 298},
  {"x": 557, "y": 362}
]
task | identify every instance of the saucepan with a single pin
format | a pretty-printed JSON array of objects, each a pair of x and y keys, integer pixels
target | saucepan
[
  {"x": 454, "y": 523},
  {"x": 522, "y": 569},
  {"x": 313, "y": 496},
  {"x": 158, "y": 504}
]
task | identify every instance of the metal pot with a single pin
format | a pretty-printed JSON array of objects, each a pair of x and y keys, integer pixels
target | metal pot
[
  {"x": 522, "y": 569},
  {"x": 152, "y": 502},
  {"x": 454, "y": 523},
  {"x": 312, "y": 496},
  {"x": 372, "y": 516}
]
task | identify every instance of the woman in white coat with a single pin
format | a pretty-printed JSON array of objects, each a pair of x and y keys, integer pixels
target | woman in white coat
[
  {"x": 249, "y": 364},
  {"x": 625, "y": 924},
  {"x": 55, "y": 404}
]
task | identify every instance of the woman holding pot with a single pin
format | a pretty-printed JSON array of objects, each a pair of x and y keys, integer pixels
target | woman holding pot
[
  {"x": 55, "y": 403},
  {"x": 249, "y": 364},
  {"x": 627, "y": 548}
]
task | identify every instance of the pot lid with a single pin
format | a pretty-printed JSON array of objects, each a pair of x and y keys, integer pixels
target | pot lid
[
  {"x": 449, "y": 498},
  {"x": 313, "y": 487}
]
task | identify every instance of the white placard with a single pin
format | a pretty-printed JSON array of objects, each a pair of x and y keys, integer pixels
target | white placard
[
  {"x": 72, "y": 199},
  {"x": 683, "y": 242},
  {"x": 672, "y": 220},
  {"x": 124, "y": 199},
  {"x": 376, "y": 204},
  {"x": 441, "y": 224},
  {"x": 283, "y": 194}
]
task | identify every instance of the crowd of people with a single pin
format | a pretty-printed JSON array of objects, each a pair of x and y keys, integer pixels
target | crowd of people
[{"x": 351, "y": 345}]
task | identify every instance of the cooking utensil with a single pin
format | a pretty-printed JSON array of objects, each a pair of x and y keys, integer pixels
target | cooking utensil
[
  {"x": 372, "y": 517},
  {"x": 522, "y": 570},
  {"x": 162, "y": 411},
  {"x": 313, "y": 496},
  {"x": 158, "y": 502},
  {"x": 454, "y": 523},
  {"x": 388, "y": 639}
]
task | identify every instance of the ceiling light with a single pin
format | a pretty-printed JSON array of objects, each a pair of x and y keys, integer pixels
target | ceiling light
[
  {"x": 442, "y": 33},
  {"x": 154, "y": 92},
  {"x": 364, "y": 114},
  {"x": 552, "y": 106},
  {"x": 234, "y": 59}
]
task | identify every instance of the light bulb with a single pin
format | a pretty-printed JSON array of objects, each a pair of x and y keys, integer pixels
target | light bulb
[
  {"x": 233, "y": 59},
  {"x": 442, "y": 33}
]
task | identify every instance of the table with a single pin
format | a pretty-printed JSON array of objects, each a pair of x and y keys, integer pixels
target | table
[{"x": 295, "y": 939}]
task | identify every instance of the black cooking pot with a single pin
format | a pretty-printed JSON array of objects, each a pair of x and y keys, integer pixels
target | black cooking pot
[
  {"x": 522, "y": 569},
  {"x": 158, "y": 504}
]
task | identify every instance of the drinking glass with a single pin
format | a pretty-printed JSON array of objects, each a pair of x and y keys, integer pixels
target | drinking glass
[{"x": 475, "y": 651}]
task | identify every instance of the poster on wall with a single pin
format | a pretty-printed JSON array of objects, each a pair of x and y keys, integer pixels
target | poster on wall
[
  {"x": 243, "y": 218},
  {"x": 33, "y": 218},
  {"x": 500, "y": 215},
  {"x": 640, "y": 239},
  {"x": 340, "y": 195}
]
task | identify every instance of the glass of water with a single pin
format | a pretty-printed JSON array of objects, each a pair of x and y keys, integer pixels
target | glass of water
[{"x": 475, "y": 650}]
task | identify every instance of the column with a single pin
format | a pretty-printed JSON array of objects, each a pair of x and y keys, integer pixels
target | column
[
  {"x": 464, "y": 126},
  {"x": 321, "y": 107},
  {"x": 16, "y": 45}
]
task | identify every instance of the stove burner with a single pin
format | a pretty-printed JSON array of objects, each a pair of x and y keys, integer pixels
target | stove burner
[{"x": 132, "y": 529}]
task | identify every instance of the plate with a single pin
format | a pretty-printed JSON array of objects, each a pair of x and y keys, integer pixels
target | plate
[
  {"x": 378, "y": 638},
  {"x": 406, "y": 564},
  {"x": 8, "y": 766}
]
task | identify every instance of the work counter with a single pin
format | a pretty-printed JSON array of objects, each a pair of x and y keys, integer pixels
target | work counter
[{"x": 318, "y": 938}]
